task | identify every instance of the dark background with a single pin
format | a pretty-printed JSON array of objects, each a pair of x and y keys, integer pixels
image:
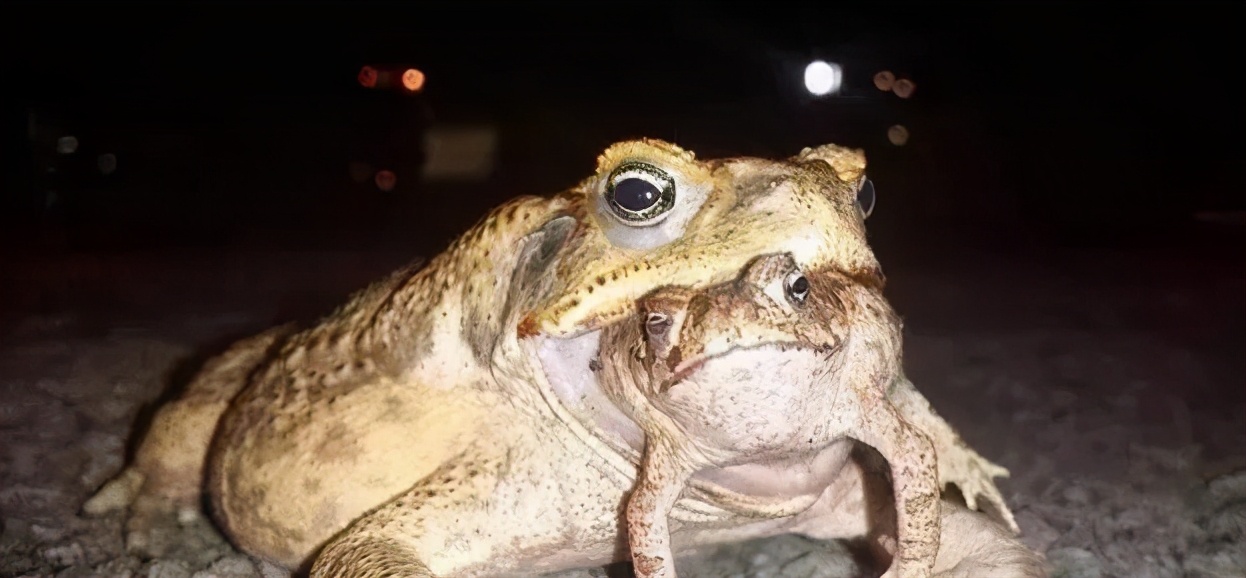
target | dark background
[
  {"x": 1064, "y": 233},
  {"x": 1033, "y": 122}
]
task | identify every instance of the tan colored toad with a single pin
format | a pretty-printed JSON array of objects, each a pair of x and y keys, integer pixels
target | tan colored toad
[
  {"x": 451, "y": 393},
  {"x": 754, "y": 397}
]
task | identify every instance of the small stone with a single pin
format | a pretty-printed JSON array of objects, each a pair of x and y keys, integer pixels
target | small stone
[
  {"x": 1228, "y": 487},
  {"x": 65, "y": 555},
  {"x": 232, "y": 566},
  {"x": 188, "y": 516},
  {"x": 168, "y": 569},
  {"x": 1077, "y": 495},
  {"x": 1074, "y": 563},
  {"x": 45, "y": 533},
  {"x": 1215, "y": 564}
]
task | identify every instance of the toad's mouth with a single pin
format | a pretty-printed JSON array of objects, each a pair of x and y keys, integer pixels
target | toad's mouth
[{"x": 683, "y": 368}]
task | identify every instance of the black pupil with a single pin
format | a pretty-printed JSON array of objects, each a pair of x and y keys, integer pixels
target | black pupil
[
  {"x": 636, "y": 194},
  {"x": 800, "y": 286}
]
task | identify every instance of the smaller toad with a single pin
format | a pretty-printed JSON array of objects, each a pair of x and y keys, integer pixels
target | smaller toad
[{"x": 758, "y": 389}]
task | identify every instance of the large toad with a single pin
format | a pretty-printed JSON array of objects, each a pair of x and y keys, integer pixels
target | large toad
[{"x": 452, "y": 392}]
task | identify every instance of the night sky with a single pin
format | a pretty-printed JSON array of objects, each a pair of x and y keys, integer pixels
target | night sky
[{"x": 1068, "y": 117}]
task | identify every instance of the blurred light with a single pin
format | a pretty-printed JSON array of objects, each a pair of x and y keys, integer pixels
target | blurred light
[
  {"x": 823, "y": 78},
  {"x": 66, "y": 145},
  {"x": 898, "y": 135},
  {"x": 884, "y": 80},
  {"x": 385, "y": 180},
  {"x": 904, "y": 88},
  {"x": 413, "y": 80},
  {"x": 367, "y": 77},
  {"x": 107, "y": 163}
]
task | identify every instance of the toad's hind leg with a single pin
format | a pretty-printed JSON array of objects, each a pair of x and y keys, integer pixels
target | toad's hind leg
[
  {"x": 165, "y": 479},
  {"x": 452, "y": 522}
]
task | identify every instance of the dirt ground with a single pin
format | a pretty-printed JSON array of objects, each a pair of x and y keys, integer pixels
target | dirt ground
[{"x": 1112, "y": 383}]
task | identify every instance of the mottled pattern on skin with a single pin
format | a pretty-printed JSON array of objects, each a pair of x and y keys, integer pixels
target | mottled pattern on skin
[
  {"x": 380, "y": 335},
  {"x": 959, "y": 465},
  {"x": 836, "y": 302},
  {"x": 753, "y": 206},
  {"x": 843, "y": 345},
  {"x": 415, "y": 431},
  {"x": 848, "y": 339}
]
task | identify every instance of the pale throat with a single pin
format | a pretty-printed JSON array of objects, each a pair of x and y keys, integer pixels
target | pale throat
[{"x": 571, "y": 365}]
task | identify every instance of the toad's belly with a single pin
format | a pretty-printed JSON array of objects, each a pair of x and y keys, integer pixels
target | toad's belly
[{"x": 287, "y": 484}]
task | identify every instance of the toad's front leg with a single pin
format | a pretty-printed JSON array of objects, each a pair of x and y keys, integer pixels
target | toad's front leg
[
  {"x": 663, "y": 476},
  {"x": 958, "y": 463},
  {"x": 914, "y": 474}
]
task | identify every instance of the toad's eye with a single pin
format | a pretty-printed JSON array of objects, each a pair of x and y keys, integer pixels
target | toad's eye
[
  {"x": 797, "y": 287},
  {"x": 640, "y": 194},
  {"x": 865, "y": 198}
]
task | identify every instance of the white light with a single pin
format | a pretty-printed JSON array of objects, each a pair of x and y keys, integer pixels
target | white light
[
  {"x": 66, "y": 145},
  {"x": 823, "y": 78},
  {"x": 898, "y": 135}
]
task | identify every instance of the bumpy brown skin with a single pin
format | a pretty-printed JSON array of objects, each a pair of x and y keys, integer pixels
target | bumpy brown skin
[
  {"x": 853, "y": 340},
  {"x": 416, "y": 409},
  {"x": 647, "y": 367},
  {"x": 856, "y": 334}
]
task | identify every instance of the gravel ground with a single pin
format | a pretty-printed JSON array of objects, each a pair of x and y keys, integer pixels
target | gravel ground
[{"x": 1111, "y": 383}]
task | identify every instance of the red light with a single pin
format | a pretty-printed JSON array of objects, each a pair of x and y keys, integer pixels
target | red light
[
  {"x": 367, "y": 77},
  {"x": 413, "y": 80}
]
